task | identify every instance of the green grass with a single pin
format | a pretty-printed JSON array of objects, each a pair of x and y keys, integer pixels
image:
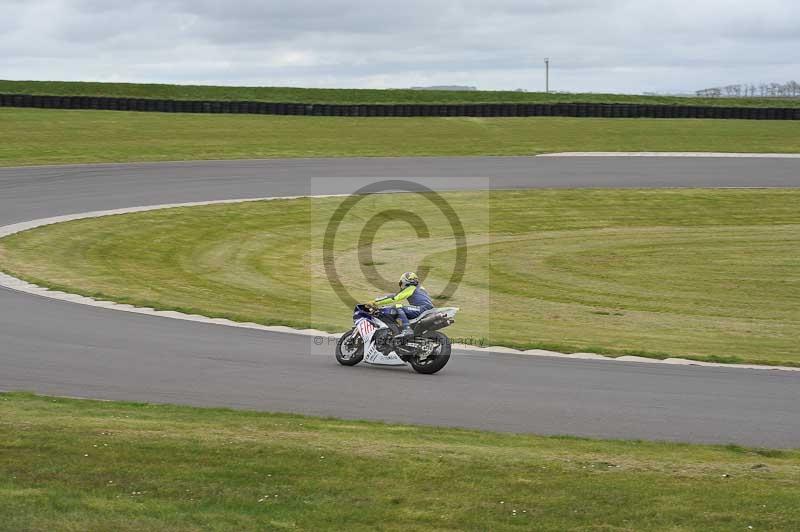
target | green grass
[
  {"x": 81, "y": 465},
  {"x": 356, "y": 96},
  {"x": 39, "y": 136},
  {"x": 705, "y": 274}
]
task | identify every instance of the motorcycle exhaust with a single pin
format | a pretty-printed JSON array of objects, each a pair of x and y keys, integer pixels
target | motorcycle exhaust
[{"x": 432, "y": 323}]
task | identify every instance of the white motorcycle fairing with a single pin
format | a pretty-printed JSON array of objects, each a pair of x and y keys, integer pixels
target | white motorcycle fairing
[{"x": 371, "y": 353}]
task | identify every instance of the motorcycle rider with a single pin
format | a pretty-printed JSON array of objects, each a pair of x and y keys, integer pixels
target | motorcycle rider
[{"x": 410, "y": 290}]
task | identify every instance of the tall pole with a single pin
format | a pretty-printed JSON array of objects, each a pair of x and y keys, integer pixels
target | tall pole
[{"x": 547, "y": 74}]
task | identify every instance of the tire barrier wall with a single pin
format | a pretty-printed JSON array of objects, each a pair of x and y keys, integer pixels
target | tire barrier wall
[{"x": 593, "y": 110}]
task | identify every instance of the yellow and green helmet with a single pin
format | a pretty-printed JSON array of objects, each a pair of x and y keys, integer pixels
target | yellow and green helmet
[{"x": 409, "y": 278}]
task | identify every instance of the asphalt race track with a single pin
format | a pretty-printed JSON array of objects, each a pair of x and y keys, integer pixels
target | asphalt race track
[{"x": 61, "y": 348}]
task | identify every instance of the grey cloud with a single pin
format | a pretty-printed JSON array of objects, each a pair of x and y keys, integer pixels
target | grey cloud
[{"x": 613, "y": 45}]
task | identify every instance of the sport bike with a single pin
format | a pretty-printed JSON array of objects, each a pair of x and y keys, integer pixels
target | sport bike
[{"x": 373, "y": 340}]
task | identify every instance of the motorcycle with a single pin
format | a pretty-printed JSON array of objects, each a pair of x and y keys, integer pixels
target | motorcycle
[{"x": 373, "y": 339}]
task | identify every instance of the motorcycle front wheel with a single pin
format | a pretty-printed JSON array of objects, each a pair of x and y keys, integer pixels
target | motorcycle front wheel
[
  {"x": 437, "y": 359},
  {"x": 350, "y": 349}
]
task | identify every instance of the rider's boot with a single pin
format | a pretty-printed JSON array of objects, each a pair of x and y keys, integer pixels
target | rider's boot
[{"x": 407, "y": 331}]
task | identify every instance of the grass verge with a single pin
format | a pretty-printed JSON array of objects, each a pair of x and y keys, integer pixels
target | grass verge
[
  {"x": 357, "y": 96},
  {"x": 705, "y": 274},
  {"x": 83, "y": 465},
  {"x": 44, "y": 136}
]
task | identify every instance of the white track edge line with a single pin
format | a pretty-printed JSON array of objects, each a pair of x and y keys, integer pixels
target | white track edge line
[
  {"x": 716, "y": 155},
  {"x": 13, "y": 283}
]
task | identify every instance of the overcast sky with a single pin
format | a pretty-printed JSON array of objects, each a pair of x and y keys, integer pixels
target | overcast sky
[{"x": 596, "y": 46}]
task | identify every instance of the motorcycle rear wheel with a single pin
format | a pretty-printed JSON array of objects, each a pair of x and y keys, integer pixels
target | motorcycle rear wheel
[
  {"x": 346, "y": 356},
  {"x": 434, "y": 362}
]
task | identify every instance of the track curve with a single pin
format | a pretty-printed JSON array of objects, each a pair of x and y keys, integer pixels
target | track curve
[{"x": 61, "y": 348}]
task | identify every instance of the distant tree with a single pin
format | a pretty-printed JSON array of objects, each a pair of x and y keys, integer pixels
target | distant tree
[{"x": 790, "y": 89}]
